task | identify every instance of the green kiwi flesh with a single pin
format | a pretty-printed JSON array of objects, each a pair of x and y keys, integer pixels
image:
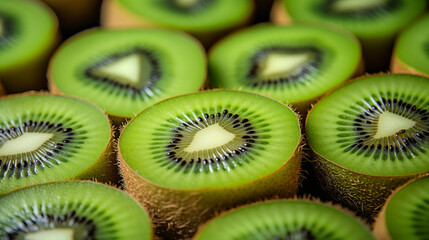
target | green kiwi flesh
[
  {"x": 28, "y": 32},
  {"x": 284, "y": 219},
  {"x": 125, "y": 71},
  {"x": 74, "y": 210},
  {"x": 191, "y": 15},
  {"x": 46, "y": 138},
  {"x": 412, "y": 46},
  {"x": 406, "y": 213},
  {"x": 212, "y": 139},
  {"x": 369, "y": 137},
  {"x": 375, "y": 23},
  {"x": 188, "y": 157},
  {"x": 295, "y": 63}
]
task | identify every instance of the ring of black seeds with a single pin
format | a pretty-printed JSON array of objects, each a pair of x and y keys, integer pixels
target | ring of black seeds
[
  {"x": 405, "y": 143},
  {"x": 9, "y": 30},
  {"x": 195, "y": 7},
  {"x": 127, "y": 89},
  {"x": 83, "y": 228},
  {"x": 298, "y": 75},
  {"x": 50, "y": 153},
  {"x": 226, "y": 156},
  {"x": 327, "y": 8}
]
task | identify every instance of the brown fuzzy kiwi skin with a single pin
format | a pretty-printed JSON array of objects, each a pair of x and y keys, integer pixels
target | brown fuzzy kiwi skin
[
  {"x": 397, "y": 66},
  {"x": 105, "y": 169},
  {"x": 177, "y": 213},
  {"x": 30, "y": 74},
  {"x": 114, "y": 15}
]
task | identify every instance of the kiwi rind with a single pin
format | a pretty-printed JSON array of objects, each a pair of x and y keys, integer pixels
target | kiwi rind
[
  {"x": 114, "y": 15},
  {"x": 104, "y": 169},
  {"x": 274, "y": 223},
  {"x": 177, "y": 213},
  {"x": 363, "y": 193},
  {"x": 29, "y": 72},
  {"x": 85, "y": 202}
]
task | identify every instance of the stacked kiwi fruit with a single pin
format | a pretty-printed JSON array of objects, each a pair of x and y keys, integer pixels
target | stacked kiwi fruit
[{"x": 178, "y": 119}]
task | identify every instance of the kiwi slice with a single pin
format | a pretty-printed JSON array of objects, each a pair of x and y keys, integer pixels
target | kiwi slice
[
  {"x": 294, "y": 64},
  {"x": 46, "y": 138},
  {"x": 284, "y": 219},
  {"x": 375, "y": 22},
  {"x": 28, "y": 34},
  {"x": 411, "y": 53},
  {"x": 124, "y": 71},
  {"x": 369, "y": 137},
  {"x": 207, "y": 20},
  {"x": 73, "y": 210},
  {"x": 405, "y": 214},
  {"x": 190, "y": 156}
]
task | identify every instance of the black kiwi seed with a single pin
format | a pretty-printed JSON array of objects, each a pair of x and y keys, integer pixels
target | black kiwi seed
[
  {"x": 183, "y": 134},
  {"x": 9, "y": 30},
  {"x": 47, "y": 154},
  {"x": 195, "y": 7},
  {"x": 152, "y": 77},
  {"x": 402, "y": 142},
  {"x": 255, "y": 79}
]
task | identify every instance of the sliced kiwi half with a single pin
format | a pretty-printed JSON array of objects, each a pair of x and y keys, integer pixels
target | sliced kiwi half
[
  {"x": 46, "y": 138},
  {"x": 28, "y": 34},
  {"x": 369, "y": 137},
  {"x": 284, "y": 220},
  {"x": 375, "y": 22},
  {"x": 72, "y": 210},
  {"x": 190, "y": 156},
  {"x": 294, "y": 64},
  {"x": 405, "y": 214},
  {"x": 126, "y": 70},
  {"x": 411, "y": 53},
  {"x": 205, "y": 19}
]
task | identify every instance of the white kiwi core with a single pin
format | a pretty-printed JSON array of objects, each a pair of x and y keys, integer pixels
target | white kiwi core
[
  {"x": 210, "y": 137},
  {"x": 27, "y": 142},
  {"x": 353, "y": 5},
  {"x": 127, "y": 68},
  {"x": 277, "y": 64},
  {"x": 51, "y": 234},
  {"x": 1, "y": 27},
  {"x": 389, "y": 124},
  {"x": 185, "y": 3}
]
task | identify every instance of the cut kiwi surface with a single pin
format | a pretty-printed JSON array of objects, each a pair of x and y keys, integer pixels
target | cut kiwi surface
[
  {"x": 28, "y": 34},
  {"x": 295, "y": 64},
  {"x": 412, "y": 49},
  {"x": 205, "y": 19},
  {"x": 375, "y": 22},
  {"x": 46, "y": 137},
  {"x": 73, "y": 210},
  {"x": 208, "y": 151},
  {"x": 369, "y": 137},
  {"x": 405, "y": 214},
  {"x": 125, "y": 71},
  {"x": 284, "y": 219}
]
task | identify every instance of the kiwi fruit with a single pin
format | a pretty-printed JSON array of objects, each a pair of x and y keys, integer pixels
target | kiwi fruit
[
  {"x": 207, "y": 20},
  {"x": 188, "y": 157},
  {"x": 411, "y": 54},
  {"x": 126, "y": 70},
  {"x": 375, "y": 22},
  {"x": 28, "y": 35},
  {"x": 369, "y": 137},
  {"x": 295, "y": 64},
  {"x": 284, "y": 219},
  {"x": 405, "y": 214},
  {"x": 72, "y": 210},
  {"x": 45, "y": 138}
]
